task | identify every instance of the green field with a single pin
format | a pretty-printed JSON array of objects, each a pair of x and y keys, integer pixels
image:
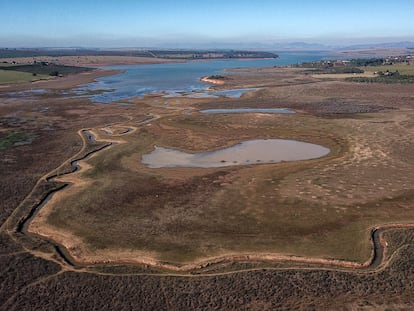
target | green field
[
  {"x": 14, "y": 138},
  {"x": 401, "y": 74},
  {"x": 402, "y": 68},
  {"x": 47, "y": 69},
  {"x": 11, "y": 76}
]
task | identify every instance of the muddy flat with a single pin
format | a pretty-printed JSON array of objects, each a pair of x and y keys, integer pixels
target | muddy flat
[
  {"x": 119, "y": 209},
  {"x": 82, "y": 215}
]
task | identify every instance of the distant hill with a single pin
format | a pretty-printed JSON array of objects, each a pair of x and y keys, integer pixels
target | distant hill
[
  {"x": 164, "y": 53},
  {"x": 317, "y": 46},
  {"x": 302, "y": 46},
  {"x": 388, "y": 45}
]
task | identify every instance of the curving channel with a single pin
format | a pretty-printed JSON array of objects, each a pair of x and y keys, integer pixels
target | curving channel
[
  {"x": 24, "y": 223},
  {"x": 377, "y": 259}
]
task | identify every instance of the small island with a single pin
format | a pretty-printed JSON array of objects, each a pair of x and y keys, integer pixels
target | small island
[{"x": 214, "y": 79}]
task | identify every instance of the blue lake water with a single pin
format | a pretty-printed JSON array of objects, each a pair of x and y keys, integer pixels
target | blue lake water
[{"x": 181, "y": 79}]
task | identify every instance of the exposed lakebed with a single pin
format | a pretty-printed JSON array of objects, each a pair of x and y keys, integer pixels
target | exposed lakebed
[
  {"x": 248, "y": 110},
  {"x": 246, "y": 153}
]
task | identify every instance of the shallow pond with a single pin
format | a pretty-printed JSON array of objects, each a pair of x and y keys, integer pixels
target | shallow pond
[{"x": 248, "y": 152}]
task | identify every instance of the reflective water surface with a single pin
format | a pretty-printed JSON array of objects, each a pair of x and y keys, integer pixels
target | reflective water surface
[
  {"x": 174, "y": 79},
  {"x": 246, "y": 153}
]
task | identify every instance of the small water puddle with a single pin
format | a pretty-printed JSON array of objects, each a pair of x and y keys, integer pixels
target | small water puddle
[
  {"x": 89, "y": 135},
  {"x": 246, "y": 153},
  {"x": 248, "y": 110}
]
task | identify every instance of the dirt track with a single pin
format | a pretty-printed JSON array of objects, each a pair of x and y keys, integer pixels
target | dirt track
[
  {"x": 34, "y": 275},
  {"x": 377, "y": 260}
]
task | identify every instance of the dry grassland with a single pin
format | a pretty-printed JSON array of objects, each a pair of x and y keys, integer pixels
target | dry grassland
[
  {"x": 324, "y": 208},
  {"x": 292, "y": 235}
]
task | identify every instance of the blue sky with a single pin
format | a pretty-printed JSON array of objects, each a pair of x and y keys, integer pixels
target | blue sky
[{"x": 123, "y": 23}]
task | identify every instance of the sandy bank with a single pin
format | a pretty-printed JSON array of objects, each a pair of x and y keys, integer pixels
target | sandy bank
[{"x": 213, "y": 81}]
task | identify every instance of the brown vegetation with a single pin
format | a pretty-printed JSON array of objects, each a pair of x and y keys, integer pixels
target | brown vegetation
[
  {"x": 365, "y": 182},
  {"x": 262, "y": 289}
]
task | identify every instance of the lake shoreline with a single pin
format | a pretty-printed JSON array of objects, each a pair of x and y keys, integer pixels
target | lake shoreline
[{"x": 211, "y": 80}]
